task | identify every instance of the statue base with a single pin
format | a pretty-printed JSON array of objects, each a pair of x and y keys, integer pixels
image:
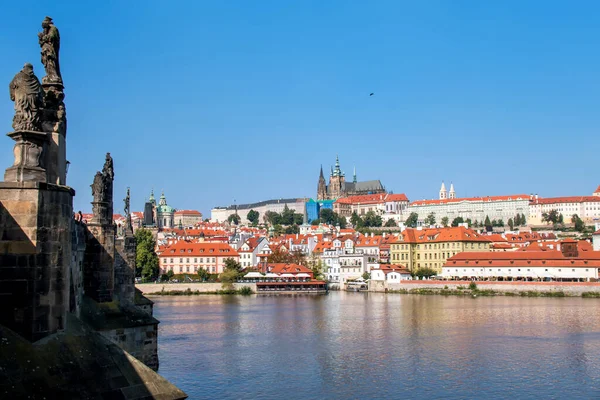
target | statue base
[{"x": 29, "y": 151}]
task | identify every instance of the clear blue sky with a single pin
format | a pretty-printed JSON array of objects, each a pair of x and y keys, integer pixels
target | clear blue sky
[{"x": 223, "y": 100}]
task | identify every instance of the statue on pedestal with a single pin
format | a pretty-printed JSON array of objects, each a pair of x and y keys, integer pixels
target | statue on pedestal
[
  {"x": 103, "y": 181},
  {"x": 49, "y": 40},
  {"x": 26, "y": 91},
  {"x": 128, "y": 226}
]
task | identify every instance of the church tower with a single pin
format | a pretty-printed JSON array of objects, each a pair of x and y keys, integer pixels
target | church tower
[
  {"x": 321, "y": 187},
  {"x": 337, "y": 181},
  {"x": 452, "y": 193},
  {"x": 443, "y": 192}
]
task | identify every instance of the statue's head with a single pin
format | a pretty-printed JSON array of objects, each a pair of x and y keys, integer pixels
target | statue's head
[
  {"x": 28, "y": 69},
  {"x": 46, "y": 22}
]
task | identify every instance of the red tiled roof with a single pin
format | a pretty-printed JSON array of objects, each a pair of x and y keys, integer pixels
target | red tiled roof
[
  {"x": 433, "y": 235},
  {"x": 567, "y": 199},
  {"x": 186, "y": 248},
  {"x": 188, "y": 212},
  {"x": 551, "y": 258},
  {"x": 471, "y": 199},
  {"x": 372, "y": 198}
]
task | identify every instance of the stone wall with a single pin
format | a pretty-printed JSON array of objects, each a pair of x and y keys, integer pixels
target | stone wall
[
  {"x": 35, "y": 255},
  {"x": 569, "y": 288},
  {"x": 99, "y": 262},
  {"x": 78, "y": 232},
  {"x": 140, "y": 341},
  {"x": 124, "y": 289},
  {"x": 148, "y": 288}
]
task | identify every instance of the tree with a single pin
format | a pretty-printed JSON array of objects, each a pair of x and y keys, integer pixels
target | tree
[
  {"x": 551, "y": 217},
  {"x": 356, "y": 220},
  {"x": 341, "y": 221},
  {"x": 412, "y": 220},
  {"x": 253, "y": 217},
  {"x": 494, "y": 222},
  {"x": 372, "y": 219},
  {"x": 234, "y": 219},
  {"x": 469, "y": 222},
  {"x": 203, "y": 274},
  {"x": 327, "y": 216},
  {"x": 315, "y": 221},
  {"x": 287, "y": 216},
  {"x": 232, "y": 271},
  {"x": 170, "y": 274},
  {"x": 523, "y": 220},
  {"x": 430, "y": 220},
  {"x": 511, "y": 224},
  {"x": 500, "y": 223},
  {"x": 457, "y": 220},
  {"x": 578, "y": 223},
  {"x": 487, "y": 223},
  {"x": 317, "y": 270},
  {"x": 517, "y": 220},
  {"x": 561, "y": 220},
  {"x": 425, "y": 272},
  {"x": 390, "y": 223},
  {"x": 292, "y": 229},
  {"x": 445, "y": 221},
  {"x": 366, "y": 276},
  {"x": 146, "y": 259}
]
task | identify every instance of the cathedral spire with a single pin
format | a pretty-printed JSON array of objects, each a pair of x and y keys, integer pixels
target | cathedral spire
[
  {"x": 443, "y": 192},
  {"x": 354, "y": 176},
  {"x": 321, "y": 174}
]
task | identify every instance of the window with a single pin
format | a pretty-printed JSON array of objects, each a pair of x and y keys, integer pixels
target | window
[{"x": 181, "y": 260}]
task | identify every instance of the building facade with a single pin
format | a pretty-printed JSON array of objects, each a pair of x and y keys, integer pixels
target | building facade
[
  {"x": 586, "y": 207},
  {"x": 220, "y": 214},
  {"x": 186, "y": 257},
  {"x": 430, "y": 248}
]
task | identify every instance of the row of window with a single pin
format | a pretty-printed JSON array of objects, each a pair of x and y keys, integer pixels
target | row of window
[
  {"x": 187, "y": 260},
  {"x": 188, "y": 268}
]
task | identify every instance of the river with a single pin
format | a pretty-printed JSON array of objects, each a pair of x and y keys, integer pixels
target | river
[{"x": 379, "y": 346}]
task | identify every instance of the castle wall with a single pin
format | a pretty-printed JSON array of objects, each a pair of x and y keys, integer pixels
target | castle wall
[
  {"x": 124, "y": 287},
  {"x": 140, "y": 341}
]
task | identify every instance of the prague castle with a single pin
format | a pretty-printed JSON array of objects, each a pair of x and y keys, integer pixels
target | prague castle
[{"x": 338, "y": 187}]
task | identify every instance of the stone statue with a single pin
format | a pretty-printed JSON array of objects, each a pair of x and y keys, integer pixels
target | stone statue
[
  {"x": 49, "y": 40},
  {"x": 128, "y": 228},
  {"x": 98, "y": 188},
  {"x": 103, "y": 181},
  {"x": 126, "y": 201},
  {"x": 26, "y": 91}
]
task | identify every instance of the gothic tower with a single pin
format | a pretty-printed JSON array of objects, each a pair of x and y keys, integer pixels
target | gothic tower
[
  {"x": 452, "y": 193},
  {"x": 443, "y": 192},
  {"x": 321, "y": 187},
  {"x": 337, "y": 181}
]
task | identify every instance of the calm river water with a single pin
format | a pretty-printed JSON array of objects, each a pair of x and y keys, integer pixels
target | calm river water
[{"x": 378, "y": 346}]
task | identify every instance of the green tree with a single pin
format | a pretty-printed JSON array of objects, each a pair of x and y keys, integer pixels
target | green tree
[
  {"x": 511, "y": 224},
  {"x": 517, "y": 220},
  {"x": 523, "y": 220},
  {"x": 203, "y": 274},
  {"x": 445, "y": 221},
  {"x": 287, "y": 216},
  {"x": 487, "y": 223},
  {"x": 170, "y": 274},
  {"x": 425, "y": 272},
  {"x": 500, "y": 223},
  {"x": 145, "y": 257},
  {"x": 366, "y": 276},
  {"x": 456, "y": 221},
  {"x": 234, "y": 219},
  {"x": 412, "y": 220},
  {"x": 292, "y": 229},
  {"x": 327, "y": 216},
  {"x": 341, "y": 221},
  {"x": 551, "y": 217},
  {"x": 317, "y": 270},
  {"x": 298, "y": 219},
  {"x": 578, "y": 223},
  {"x": 430, "y": 220},
  {"x": 315, "y": 222},
  {"x": 390, "y": 223},
  {"x": 232, "y": 271},
  {"x": 494, "y": 222},
  {"x": 469, "y": 222},
  {"x": 273, "y": 218},
  {"x": 372, "y": 219},
  {"x": 253, "y": 217},
  {"x": 561, "y": 219},
  {"x": 356, "y": 220}
]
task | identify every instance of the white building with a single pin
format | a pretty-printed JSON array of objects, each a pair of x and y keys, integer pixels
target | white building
[
  {"x": 586, "y": 207},
  {"x": 220, "y": 214},
  {"x": 473, "y": 208}
]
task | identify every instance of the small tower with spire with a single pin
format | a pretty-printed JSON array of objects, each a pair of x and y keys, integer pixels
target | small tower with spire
[
  {"x": 322, "y": 187},
  {"x": 443, "y": 192},
  {"x": 354, "y": 176},
  {"x": 452, "y": 193}
]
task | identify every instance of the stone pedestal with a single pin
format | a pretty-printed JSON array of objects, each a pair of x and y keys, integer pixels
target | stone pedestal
[
  {"x": 35, "y": 253},
  {"x": 125, "y": 258},
  {"x": 55, "y": 123},
  {"x": 98, "y": 263},
  {"x": 29, "y": 150}
]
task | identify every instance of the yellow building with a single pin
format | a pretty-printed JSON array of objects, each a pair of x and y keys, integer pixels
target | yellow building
[{"x": 430, "y": 248}]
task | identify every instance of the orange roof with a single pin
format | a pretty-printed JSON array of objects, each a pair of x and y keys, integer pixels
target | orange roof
[
  {"x": 387, "y": 268},
  {"x": 188, "y": 212},
  {"x": 372, "y": 198},
  {"x": 433, "y": 235},
  {"x": 321, "y": 246},
  {"x": 186, "y": 248},
  {"x": 550, "y": 258},
  {"x": 597, "y": 189},
  {"x": 363, "y": 241},
  {"x": 471, "y": 199},
  {"x": 283, "y": 268},
  {"x": 567, "y": 199}
]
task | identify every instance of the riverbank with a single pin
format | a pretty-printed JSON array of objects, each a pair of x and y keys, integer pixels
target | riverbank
[
  {"x": 174, "y": 289},
  {"x": 484, "y": 288}
]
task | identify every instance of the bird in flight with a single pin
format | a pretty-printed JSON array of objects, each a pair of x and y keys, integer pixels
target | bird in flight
[{"x": 371, "y": 94}]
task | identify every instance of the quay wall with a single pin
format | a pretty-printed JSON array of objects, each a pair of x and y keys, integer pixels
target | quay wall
[
  {"x": 569, "y": 288},
  {"x": 202, "y": 287}
]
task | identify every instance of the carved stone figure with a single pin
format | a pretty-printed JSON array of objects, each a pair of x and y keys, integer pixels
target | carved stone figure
[
  {"x": 126, "y": 201},
  {"x": 49, "y": 40},
  {"x": 128, "y": 228},
  {"x": 26, "y": 91},
  {"x": 103, "y": 181},
  {"x": 98, "y": 188}
]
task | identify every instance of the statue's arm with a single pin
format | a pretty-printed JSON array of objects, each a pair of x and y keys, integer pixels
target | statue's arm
[{"x": 11, "y": 90}]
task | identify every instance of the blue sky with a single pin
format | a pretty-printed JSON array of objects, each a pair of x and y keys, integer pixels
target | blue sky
[{"x": 223, "y": 100}]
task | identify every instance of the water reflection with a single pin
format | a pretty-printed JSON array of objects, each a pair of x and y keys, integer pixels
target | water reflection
[{"x": 370, "y": 345}]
